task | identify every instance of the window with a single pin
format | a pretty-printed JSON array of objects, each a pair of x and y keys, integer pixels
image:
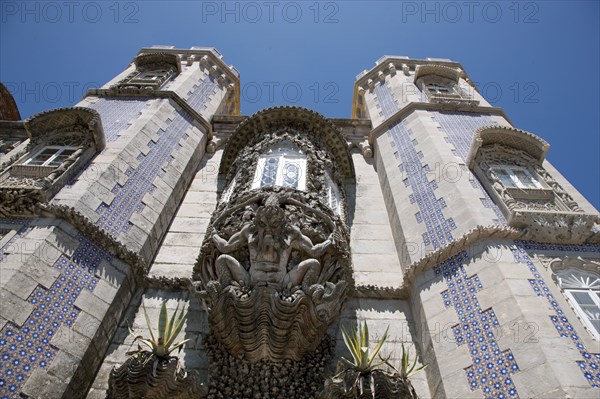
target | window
[
  {"x": 436, "y": 88},
  {"x": 583, "y": 291},
  {"x": 51, "y": 156},
  {"x": 282, "y": 165},
  {"x": 159, "y": 76},
  {"x": 229, "y": 191},
  {"x": 333, "y": 194},
  {"x": 516, "y": 177}
]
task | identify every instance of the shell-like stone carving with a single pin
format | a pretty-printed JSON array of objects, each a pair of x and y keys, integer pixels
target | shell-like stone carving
[
  {"x": 264, "y": 323},
  {"x": 142, "y": 377}
]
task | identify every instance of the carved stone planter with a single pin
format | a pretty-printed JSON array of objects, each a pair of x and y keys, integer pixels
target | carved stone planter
[
  {"x": 144, "y": 377},
  {"x": 376, "y": 384}
]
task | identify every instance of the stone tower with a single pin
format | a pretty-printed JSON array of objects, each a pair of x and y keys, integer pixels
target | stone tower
[{"x": 426, "y": 214}]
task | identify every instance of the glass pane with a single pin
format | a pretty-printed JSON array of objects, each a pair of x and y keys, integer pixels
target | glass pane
[
  {"x": 583, "y": 298},
  {"x": 591, "y": 311},
  {"x": 505, "y": 178},
  {"x": 291, "y": 174},
  {"x": 525, "y": 178},
  {"x": 270, "y": 172},
  {"x": 43, "y": 156},
  {"x": 596, "y": 324}
]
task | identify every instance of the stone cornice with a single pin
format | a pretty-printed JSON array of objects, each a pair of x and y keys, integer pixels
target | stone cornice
[
  {"x": 383, "y": 64},
  {"x": 139, "y": 266},
  {"x": 417, "y": 106},
  {"x": 472, "y": 237},
  {"x": 117, "y": 92}
]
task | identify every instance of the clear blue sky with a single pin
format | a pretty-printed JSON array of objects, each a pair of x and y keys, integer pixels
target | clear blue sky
[{"x": 539, "y": 60}]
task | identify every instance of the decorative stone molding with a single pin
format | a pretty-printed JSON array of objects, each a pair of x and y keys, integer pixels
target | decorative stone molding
[
  {"x": 151, "y": 60},
  {"x": 452, "y": 74},
  {"x": 297, "y": 118},
  {"x": 518, "y": 139},
  {"x": 77, "y": 126},
  {"x": 558, "y": 265}
]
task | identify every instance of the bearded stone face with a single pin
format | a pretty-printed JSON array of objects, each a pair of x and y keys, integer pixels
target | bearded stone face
[{"x": 270, "y": 225}]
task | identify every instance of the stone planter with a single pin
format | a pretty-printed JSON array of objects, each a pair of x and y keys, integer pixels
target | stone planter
[
  {"x": 148, "y": 377},
  {"x": 375, "y": 384}
]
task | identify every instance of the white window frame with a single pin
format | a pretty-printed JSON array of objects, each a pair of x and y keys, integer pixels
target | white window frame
[
  {"x": 284, "y": 154},
  {"x": 333, "y": 194},
  {"x": 60, "y": 149},
  {"x": 229, "y": 191},
  {"x": 158, "y": 75},
  {"x": 517, "y": 183},
  {"x": 590, "y": 286},
  {"x": 435, "y": 91}
]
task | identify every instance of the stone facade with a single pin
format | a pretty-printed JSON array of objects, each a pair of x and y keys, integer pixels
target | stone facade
[{"x": 427, "y": 213}]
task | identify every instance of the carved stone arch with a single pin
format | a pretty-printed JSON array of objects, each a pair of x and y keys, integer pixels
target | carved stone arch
[
  {"x": 452, "y": 74},
  {"x": 297, "y": 118},
  {"x": 562, "y": 268},
  {"x": 510, "y": 137},
  {"x": 154, "y": 60},
  {"x": 61, "y": 124}
]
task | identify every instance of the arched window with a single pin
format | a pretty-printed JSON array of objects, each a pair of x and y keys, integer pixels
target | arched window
[
  {"x": 582, "y": 289},
  {"x": 281, "y": 165}
]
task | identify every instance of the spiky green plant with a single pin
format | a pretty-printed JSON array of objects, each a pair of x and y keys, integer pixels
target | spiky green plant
[
  {"x": 163, "y": 343},
  {"x": 357, "y": 342},
  {"x": 406, "y": 368}
]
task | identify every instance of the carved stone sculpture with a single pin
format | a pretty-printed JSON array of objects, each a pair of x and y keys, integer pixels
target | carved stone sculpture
[{"x": 271, "y": 290}]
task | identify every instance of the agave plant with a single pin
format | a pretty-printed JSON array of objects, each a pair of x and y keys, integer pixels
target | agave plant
[
  {"x": 163, "y": 343},
  {"x": 164, "y": 377},
  {"x": 363, "y": 378},
  {"x": 406, "y": 368},
  {"x": 357, "y": 342}
]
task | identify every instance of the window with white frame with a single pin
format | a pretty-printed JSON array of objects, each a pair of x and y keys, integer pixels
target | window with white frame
[
  {"x": 282, "y": 165},
  {"x": 437, "y": 88},
  {"x": 516, "y": 177},
  {"x": 229, "y": 191},
  {"x": 583, "y": 292},
  {"x": 51, "y": 156},
  {"x": 333, "y": 194}
]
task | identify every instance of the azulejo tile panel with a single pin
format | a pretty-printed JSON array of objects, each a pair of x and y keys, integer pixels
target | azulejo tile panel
[
  {"x": 117, "y": 113},
  {"x": 492, "y": 367},
  {"x": 459, "y": 129},
  {"x": 436, "y": 225},
  {"x": 523, "y": 253},
  {"x": 28, "y": 347},
  {"x": 115, "y": 217}
]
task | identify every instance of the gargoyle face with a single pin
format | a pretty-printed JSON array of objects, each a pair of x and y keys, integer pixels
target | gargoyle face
[{"x": 270, "y": 222}]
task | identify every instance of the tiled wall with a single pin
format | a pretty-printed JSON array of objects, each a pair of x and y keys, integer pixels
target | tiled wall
[{"x": 523, "y": 254}]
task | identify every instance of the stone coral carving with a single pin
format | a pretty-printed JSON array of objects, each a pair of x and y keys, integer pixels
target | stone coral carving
[
  {"x": 236, "y": 377},
  {"x": 141, "y": 377},
  {"x": 271, "y": 291}
]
